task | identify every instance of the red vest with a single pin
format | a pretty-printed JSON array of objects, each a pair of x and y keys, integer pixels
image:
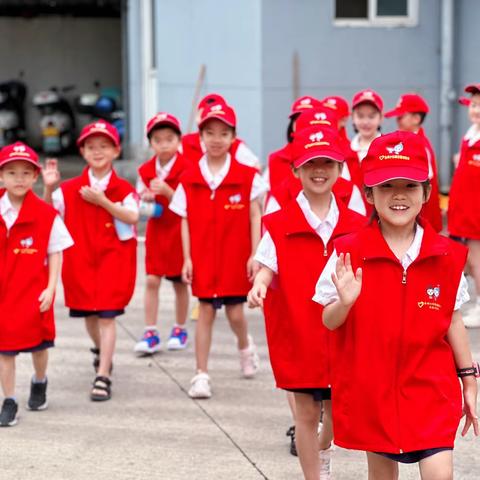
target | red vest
[
  {"x": 395, "y": 386},
  {"x": 192, "y": 148},
  {"x": 298, "y": 342},
  {"x": 279, "y": 166},
  {"x": 219, "y": 226},
  {"x": 163, "y": 241},
  {"x": 24, "y": 275},
  {"x": 463, "y": 211},
  {"x": 431, "y": 210},
  {"x": 99, "y": 270}
]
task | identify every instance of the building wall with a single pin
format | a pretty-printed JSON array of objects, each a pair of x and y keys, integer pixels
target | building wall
[
  {"x": 224, "y": 36},
  {"x": 59, "y": 51}
]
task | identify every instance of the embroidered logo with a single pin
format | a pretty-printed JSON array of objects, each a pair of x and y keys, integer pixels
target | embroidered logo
[
  {"x": 19, "y": 148},
  {"x": 475, "y": 161},
  {"x": 306, "y": 101},
  {"x": 320, "y": 116},
  {"x": 397, "y": 149},
  {"x": 26, "y": 244},
  {"x": 234, "y": 202},
  {"x": 367, "y": 95},
  {"x": 161, "y": 116},
  {"x": 332, "y": 101},
  {"x": 316, "y": 140},
  {"x": 433, "y": 293},
  {"x": 100, "y": 125},
  {"x": 316, "y": 137}
]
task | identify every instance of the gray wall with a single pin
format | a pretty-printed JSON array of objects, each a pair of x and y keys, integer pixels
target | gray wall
[{"x": 60, "y": 51}]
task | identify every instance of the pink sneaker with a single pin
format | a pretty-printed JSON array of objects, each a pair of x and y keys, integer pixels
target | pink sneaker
[
  {"x": 325, "y": 463},
  {"x": 249, "y": 361}
]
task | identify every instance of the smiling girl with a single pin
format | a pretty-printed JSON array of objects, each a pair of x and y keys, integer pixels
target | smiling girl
[{"x": 392, "y": 294}]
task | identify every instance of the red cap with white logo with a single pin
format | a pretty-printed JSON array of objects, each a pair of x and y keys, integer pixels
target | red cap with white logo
[
  {"x": 316, "y": 142},
  {"x": 100, "y": 127},
  {"x": 210, "y": 99},
  {"x": 219, "y": 111},
  {"x": 165, "y": 119},
  {"x": 368, "y": 96},
  {"x": 409, "y": 103},
  {"x": 396, "y": 155},
  {"x": 319, "y": 117},
  {"x": 18, "y": 151},
  {"x": 338, "y": 104},
  {"x": 303, "y": 104},
  {"x": 473, "y": 88}
]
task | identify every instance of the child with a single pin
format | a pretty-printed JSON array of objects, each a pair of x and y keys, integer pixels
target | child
[
  {"x": 367, "y": 116},
  {"x": 463, "y": 211},
  {"x": 32, "y": 237},
  {"x": 100, "y": 210},
  {"x": 193, "y": 147},
  {"x": 411, "y": 110},
  {"x": 219, "y": 202},
  {"x": 158, "y": 179},
  {"x": 392, "y": 294},
  {"x": 292, "y": 253}
]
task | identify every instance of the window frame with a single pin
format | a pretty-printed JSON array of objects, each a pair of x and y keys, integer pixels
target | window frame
[{"x": 374, "y": 20}]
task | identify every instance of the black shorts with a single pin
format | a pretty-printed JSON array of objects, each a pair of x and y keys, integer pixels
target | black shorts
[
  {"x": 219, "y": 302},
  {"x": 319, "y": 394},
  {"x": 462, "y": 240},
  {"x": 37, "y": 348},
  {"x": 415, "y": 456},
  {"x": 174, "y": 278},
  {"x": 99, "y": 313}
]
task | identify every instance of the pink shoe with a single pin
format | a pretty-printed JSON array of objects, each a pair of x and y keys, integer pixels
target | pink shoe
[
  {"x": 325, "y": 463},
  {"x": 249, "y": 361}
]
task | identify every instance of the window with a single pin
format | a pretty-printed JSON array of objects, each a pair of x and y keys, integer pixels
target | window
[{"x": 382, "y": 13}]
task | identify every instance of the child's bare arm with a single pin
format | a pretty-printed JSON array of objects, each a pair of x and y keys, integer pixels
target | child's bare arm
[
  {"x": 97, "y": 197},
  {"x": 255, "y": 228},
  {"x": 47, "y": 296},
  {"x": 348, "y": 285},
  {"x": 187, "y": 270},
  {"x": 258, "y": 292},
  {"x": 458, "y": 339}
]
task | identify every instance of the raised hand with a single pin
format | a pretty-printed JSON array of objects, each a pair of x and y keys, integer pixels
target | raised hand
[
  {"x": 50, "y": 173},
  {"x": 347, "y": 283}
]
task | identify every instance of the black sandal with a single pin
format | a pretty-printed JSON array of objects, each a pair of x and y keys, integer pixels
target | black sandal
[
  {"x": 96, "y": 359},
  {"x": 102, "y": 384},
  {"x": 293, "y": 445}
]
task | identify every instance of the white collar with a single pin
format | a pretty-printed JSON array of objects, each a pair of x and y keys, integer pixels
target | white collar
[
  {"x": 101, "y": 183},
  {"x": 331, "y": 218},
  {"x": 355, "y": 144},
  {"x": 472, "y": 135},
  {"x": 5, "y": 205},
  {"x": 414, "y": 249},
  {"x": 214, "y": 181},
  {"x": 166, "y": 169}
]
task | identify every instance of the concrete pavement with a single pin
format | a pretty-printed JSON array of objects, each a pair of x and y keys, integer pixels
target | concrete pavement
[{"x": 151, "y": 428}]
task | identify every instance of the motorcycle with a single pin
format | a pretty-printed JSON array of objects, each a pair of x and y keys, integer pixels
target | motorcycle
[
  {"x": 12, "y": 111},
  {"x": 57, "y": 121}
]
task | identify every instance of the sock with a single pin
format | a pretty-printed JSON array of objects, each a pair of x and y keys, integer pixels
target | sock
[
  {"x": 11, "y": 398},
  {"x": 181, "y": 327},
  {"x": 151, "y": 327},
  {"x": 36, "y": 380}
]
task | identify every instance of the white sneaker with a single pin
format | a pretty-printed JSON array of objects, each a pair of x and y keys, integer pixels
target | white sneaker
[
  {"x": 472, "y": 318},
  {"x": 249, "y": 361},
  {"x": 200, "y": 386},
  {"x": 325, "y": 463}
]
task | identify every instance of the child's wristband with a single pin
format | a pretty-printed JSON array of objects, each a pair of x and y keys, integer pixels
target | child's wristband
[{"x": 473, "y": 371}]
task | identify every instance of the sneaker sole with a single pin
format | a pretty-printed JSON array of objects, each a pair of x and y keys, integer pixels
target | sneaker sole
[
  {"x": 200, "y": 397},
  {"x": 177, "y": 347},
  {"x": 147, "y": 351},
  {"x": 42, "y": 407},
  {"x": 11, "y": 424}
]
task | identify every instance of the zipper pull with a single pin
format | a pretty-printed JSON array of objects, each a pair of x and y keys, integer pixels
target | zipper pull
[
  {"x": 212, "y": 195},
  {"x": 325, "y": 253},
  {"x": 404, "y": 277}
]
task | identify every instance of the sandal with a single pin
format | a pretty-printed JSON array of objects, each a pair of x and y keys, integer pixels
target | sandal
[
  {"x": 96, "y": 359},
  {"x": 101, "y": 384}
]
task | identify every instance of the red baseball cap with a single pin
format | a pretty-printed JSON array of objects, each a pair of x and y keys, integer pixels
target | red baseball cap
[
  {"x": 303, "y": 104},
  {"x": 464, "y": 101},
  {"x": 220, "y": 111},
  {"x": 368, "y": 96},
  {"x": 209, "y": 99},
  {"x": 166, "y": 119},
  {"x": 18, "y": 151},
  {"x": 315, "y": 142},
  {"x": 338, "y": 104},
  {"x": 473, "y": 88},
  {"x": 100, "y": 127},
  {"x": 409, "y": 103},
  {"x": 317, "y": 118},
  {"x": 395, "y": 155}
]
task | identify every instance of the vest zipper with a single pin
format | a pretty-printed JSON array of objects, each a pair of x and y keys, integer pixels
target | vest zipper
[
  {"x": 399, "y": 356},
  {"x": 325, "y": 252},
  {"x": 404, "y": 277}
]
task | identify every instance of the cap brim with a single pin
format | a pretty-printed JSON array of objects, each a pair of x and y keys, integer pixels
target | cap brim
[
  {"x": 216, "y": 117},
  {"x": 20, "y": 159},
  {"x": 472, "y": 89},
  {"x": 464, "y": 101},
  {"x": 165, "y": 123},
  {"x": 331, "y": 154},
  {"x": 371, "y": 102},
  {"x": 82, "y": 138},
  {"x": 396, "y": 112},
  {"x": 386, "y": 174}
]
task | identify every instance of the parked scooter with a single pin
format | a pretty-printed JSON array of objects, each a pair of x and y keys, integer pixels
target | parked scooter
[
  {"x": 103, "y": 105},
  {"x": 57, "y": 121},
  {"x": 12, "y": 111}
]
